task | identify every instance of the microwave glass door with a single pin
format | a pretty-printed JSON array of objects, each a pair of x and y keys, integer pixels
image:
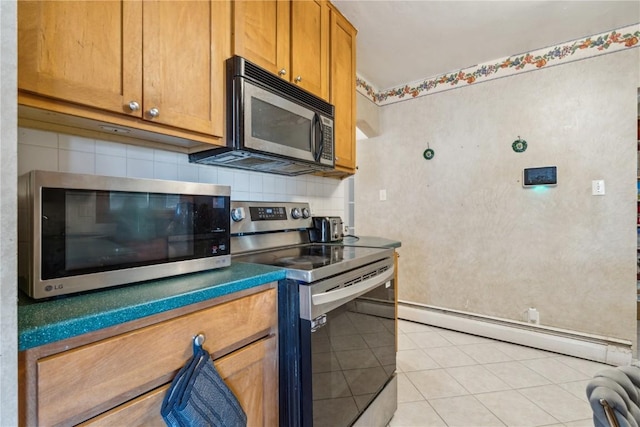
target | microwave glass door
[
  {"x": 276, "y": 125},
  {"x": 89, "y": 231}
]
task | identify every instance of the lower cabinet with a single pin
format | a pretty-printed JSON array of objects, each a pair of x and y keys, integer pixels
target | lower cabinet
[{"x": 105, "y": 379}]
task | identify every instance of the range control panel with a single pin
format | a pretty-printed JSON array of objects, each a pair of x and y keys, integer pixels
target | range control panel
[
  {"x": 259, "y": 217},
  {"x": 262, "y": 213}
]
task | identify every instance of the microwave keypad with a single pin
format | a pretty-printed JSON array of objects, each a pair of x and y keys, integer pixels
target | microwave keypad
[{"x": 327, "y": 153}]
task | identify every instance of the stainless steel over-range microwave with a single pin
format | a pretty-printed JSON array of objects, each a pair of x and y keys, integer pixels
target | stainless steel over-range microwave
[
  {"x": 85, "y": 232},
  {"x": 273, "y": 125}
]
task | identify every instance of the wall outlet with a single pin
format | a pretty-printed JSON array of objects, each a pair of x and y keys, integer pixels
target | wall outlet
[
  {"x": 597, "y": 187},
  {"x": 532, "y": 315},
  {"x": 383, "y": 195}
]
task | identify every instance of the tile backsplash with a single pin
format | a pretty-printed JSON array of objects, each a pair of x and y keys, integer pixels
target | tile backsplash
[{"x": 44, "y": 150}]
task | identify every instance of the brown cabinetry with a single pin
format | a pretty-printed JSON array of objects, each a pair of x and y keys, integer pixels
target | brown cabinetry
[
  {"x": 154, "y": 70},
  {"x": 132, "y": 63},
  {"x": 288, "y": 38},
  {"x": 119, "y": 376},
  {"x": 343, "y": 90}
]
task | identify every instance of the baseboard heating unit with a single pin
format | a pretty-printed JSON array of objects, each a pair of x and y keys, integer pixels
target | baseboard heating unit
[{"x": 612, "y": 351}]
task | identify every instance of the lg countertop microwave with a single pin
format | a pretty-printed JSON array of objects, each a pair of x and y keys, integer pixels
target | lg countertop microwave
[{"x": 85, "y": 232}]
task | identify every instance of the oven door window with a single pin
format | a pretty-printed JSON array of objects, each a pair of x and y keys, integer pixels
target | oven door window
[
  {"x": 87, "y": 231},
  {"x": 353, "y": 357}
]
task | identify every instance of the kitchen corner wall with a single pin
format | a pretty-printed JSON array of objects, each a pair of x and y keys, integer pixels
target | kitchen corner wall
[
  {"x": 53, "y": 151},
  {"x": 473, "y": 239}
]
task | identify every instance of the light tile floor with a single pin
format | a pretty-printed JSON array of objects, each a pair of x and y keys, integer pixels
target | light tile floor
[{"x": 448, "y": 378}]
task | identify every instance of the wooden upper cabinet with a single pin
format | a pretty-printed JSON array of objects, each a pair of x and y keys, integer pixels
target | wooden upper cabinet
[
  {"x": 309, "y": 46},
  {"x": 128, "y": 57},
  {"x": 261, "y": 33},
  {"x": 343, "y": 90},
  {"x": 83, "y": 52},
  {"x": 288, "y": 38},
  {"x": 183, "y": 55}
]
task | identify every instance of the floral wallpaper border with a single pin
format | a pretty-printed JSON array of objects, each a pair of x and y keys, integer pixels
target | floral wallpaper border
[{"x": 615, "y": 40}]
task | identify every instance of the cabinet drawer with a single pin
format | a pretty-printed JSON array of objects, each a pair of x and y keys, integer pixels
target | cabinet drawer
[
  {"x": 80, "y": 383},
  {"x": 251, "y": 373}
]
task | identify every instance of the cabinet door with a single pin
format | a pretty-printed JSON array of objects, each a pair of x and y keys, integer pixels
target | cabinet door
[
  {"x": 261, "y": 34},
  {"x": 184, "y": 47},
  {"x": 88, "y": 380},
  {"x": 343, "y": 89},
  {"x": 88, "y": 53},
  {"x": 309, "y": 46},
  {"x": 251, "y": 373}
]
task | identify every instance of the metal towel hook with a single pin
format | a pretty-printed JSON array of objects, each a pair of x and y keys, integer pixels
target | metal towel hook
[{"x": 198, "y": 340}]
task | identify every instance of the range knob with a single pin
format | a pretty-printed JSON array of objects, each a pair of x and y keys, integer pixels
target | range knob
[
  {"x": 237, "y": 214},
  {"x": 295, "y": 213},
  {"x": 305, "y": 213}
]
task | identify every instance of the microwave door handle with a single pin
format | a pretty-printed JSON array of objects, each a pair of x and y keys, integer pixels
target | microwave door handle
[{"x": 318, "y": 135}]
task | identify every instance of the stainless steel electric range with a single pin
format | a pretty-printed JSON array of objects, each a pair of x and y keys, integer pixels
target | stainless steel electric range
[{"x": 337, "y": 330}]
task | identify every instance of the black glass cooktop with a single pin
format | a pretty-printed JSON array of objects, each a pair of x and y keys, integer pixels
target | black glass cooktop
[{"x": 312, "y": 262}]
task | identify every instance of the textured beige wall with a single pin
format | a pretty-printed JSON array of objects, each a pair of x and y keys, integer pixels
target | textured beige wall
[
  {"x": 368, "y": 116},
  {"x": 8, "y": 227},
  {"x": 472, "y": 238}
]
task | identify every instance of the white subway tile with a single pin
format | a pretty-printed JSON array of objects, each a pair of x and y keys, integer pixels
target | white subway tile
[
  {"x": 281, "y": 185},
  {"x": 225, "y": 177},
  {"x": 76, "y": 162},
  {"x": 291, "y": 187},
  {"x": 111, "y": 148},
  {"x": 269, "y": 183},
  {"x": 240, "y": 195},
  {"x": 241, "y": 181},
  {"x": 142, "y": 153},
  {"x": 31, "y": 157},
  {"x": 187, "y": 172},
  {"x": 138, "y": 168},
  {"x": 111, "y": 165},
  {"x": 76, "y": 143},
  {"x": 183, "y": 159},
  {"x": 301, "y": 187},
  {"x": 207, "y": 174},
  {"x": 37, "y": 137},
  {"x": 256, "y": 183},
  {"x": 165, "y": 156},
  {"x": 39, "y": 150},
  {"x": 163, "y": 170}
]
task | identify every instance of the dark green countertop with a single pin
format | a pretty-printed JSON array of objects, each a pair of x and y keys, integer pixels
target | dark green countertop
[
  {"x": 45, "y": 321},
  {"x": 370, "y": 241}
]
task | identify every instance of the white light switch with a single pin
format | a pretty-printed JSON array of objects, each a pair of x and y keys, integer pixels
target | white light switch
[
  {"x": 597, "y": 187},
  {"x": 383, "y": 195}
]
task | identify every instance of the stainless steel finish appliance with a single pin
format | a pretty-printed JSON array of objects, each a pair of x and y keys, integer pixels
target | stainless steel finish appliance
[
  {"x": 84, "y": 232},
  {"x": 337, "y": 326},
  {"x": 272, "y": 125},
  {"x": 326, "y": 229}
]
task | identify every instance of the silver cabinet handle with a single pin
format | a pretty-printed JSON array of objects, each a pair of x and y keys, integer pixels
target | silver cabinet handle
[
  {"x": 154, "y": 112},
  {"x": 282, "y": 72},
  {"x": 134, "y": 106},
  {"x": 298, "y": 79}
]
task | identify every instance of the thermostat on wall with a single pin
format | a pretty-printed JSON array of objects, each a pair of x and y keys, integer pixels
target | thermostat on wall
[{"x": 546, "y": 175}]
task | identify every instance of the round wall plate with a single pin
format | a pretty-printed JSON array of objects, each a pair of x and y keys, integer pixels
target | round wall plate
[
  {"x": 428, "y": 154},
  {"x": 519, "y": 145}
]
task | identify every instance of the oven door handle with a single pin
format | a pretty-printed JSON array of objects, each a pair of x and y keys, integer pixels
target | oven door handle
[{"x": 353, "y": 291}]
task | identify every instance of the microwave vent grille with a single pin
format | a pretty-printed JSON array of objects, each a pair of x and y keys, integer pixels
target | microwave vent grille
[{"x": 263, "y": 77}]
